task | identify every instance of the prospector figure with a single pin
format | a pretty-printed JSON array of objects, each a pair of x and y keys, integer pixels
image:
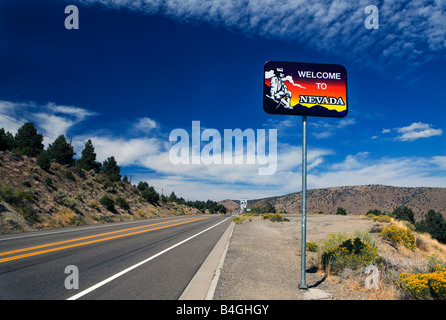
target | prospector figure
[{"x": 278, "y": 89}]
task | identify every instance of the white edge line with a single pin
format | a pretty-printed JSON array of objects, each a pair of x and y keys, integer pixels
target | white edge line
[
  {"x": 117, "y": 275},
  {"x": 214, "y": 282}
]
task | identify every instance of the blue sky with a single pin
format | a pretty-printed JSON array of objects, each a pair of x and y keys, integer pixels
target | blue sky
[{"x": 136, "y": 70}]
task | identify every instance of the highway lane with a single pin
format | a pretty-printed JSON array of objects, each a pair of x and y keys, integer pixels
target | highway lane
[{"x": 151, "y": 259}]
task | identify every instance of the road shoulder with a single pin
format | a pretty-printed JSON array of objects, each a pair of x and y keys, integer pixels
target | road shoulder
[{"x": 203, "y": 284}]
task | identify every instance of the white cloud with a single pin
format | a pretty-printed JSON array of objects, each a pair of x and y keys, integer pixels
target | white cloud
[
  {"x": 416, "y": 131},
  {"x": 361, "y": 169},
  {"x": 50, "y": 119},
  {"x": 145, "y": 125},
  {"x": 327, "y": 128},
  {"x": 218, "y": 181}
]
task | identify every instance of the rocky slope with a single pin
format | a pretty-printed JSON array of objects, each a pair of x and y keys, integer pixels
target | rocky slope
[{"x": 32, "y": 199}]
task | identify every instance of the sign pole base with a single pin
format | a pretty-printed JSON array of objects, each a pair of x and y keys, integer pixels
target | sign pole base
[{"x": 303, "y": 284}]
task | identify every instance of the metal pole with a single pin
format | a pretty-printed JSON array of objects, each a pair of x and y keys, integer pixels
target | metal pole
[{"x": 303, "y": 284}]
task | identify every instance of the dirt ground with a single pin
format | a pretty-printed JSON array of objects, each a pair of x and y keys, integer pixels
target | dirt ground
[{"x": 263, "y": 260}]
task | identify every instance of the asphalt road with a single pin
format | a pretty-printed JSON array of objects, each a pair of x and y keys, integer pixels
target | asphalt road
[{"x": 150, "y": 259}]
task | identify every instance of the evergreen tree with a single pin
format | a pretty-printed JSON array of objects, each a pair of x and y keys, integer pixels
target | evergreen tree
[
  {"x": 43, "y": 160},
  {"x": 6, "y": 140},
  {"x": 88, "y": 159},
  {"x": 149, "y": 194},
  {"x": 111, "y": 169},
  {"x": 404, "y": 213},
  {"x": 142, "y": 185},
  {"x": 173, "y": 197},
  {"x": 28, "y": 141},
  {"x": 435, "y": 224},
  {"x": 61, "y": 151}
]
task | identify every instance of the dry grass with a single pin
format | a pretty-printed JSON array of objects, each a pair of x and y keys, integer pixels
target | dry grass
[
  {"x": 63, "y": 218},
  {"x": 396, "y": 259},
  {"x": 429, "y": 246}
]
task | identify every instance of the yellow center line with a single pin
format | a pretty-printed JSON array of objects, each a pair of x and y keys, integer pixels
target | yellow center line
[
  {"x": 79, "y": 239},
  {"x": 94, "y": 241}
]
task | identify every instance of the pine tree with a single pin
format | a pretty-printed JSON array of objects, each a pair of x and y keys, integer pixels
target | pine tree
[
  {"x": 173, "y": 197},
  {"x": 6, "y": 140},
  {"x": 149, "y": 194},
  {"x": 435, "y": 224},
  {"x": 43, "y": 160},
  {"x": 88, "y": 159},
  {"x": 61, "y": 151},
  {"x": 404, "y": 213},
  {"x": 28, "y": 141},
  {"x": 111, "y": 169}
]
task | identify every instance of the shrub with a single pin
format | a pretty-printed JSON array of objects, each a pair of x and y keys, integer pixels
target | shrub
[
  {"x": 15, "y": 196},
  {"x": 382, "y": 218},
  {"x": 48, "y": 181},
  {"x": 64, "y": 217},
  {"x": 312, "y": 246},
  {"x": 69, "y": 175},
  {"x": 237, "y": 220},
  {"x": 424, "y": 286},
  {"x": 276, "y": 217},
  {"x": 68, "y": 202},
  {"x": 94, "y": 205},
  {"x": 43, "y": 160},
  {"x": 62, "y": 198},
  {"x": 340, "y": 251},
  {"x": 266, "y": 216},
  {"x": 108, "y": 203},
  {"x": 370, "y": 216},
  {"x": 399, "y": 235},
  {"x": 434, "y": 262},
  {"x": 19, "y": 199},
  {"x": 123, "y": 203},
  {"x": 341, "y": 211}
]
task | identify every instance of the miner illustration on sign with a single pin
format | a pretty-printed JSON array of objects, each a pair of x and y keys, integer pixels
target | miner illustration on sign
[{"x": 279, "y": 90}]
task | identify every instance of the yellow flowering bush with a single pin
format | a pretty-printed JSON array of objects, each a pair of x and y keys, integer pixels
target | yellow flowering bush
[
  {"x": 381, "y": 218},
  {"x": 424, "y": 286},
  {"x": 237, "y": 220},
  {"x": 267, "y": 216},
  {"x": 276, "y": 217},
  {"x": 352, "y": 254},
  {"x": 400, "y": 236}
]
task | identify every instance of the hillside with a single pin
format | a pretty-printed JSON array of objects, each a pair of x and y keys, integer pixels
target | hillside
[
  {"x": 360, "y": 199},
  {"x": 33, "y": 199},
  {"x": 229, "y": 204}
]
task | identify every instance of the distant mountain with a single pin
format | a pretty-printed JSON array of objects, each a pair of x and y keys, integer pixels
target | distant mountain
[
  {"x": 229, "y": 204},
  {"x": 360, "y": 199}
]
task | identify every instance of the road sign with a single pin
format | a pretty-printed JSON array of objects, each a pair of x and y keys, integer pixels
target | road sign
[
  {"x": 305, "y": 89},
  {"x": 243, "y": 203}
]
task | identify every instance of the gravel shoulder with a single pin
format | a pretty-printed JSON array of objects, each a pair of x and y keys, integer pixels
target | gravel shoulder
[{"x": 263, "y": 260}]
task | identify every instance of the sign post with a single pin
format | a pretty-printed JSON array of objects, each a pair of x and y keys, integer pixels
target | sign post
[
  {"x": 243, "y": 204},
  {"x": 305, "y": 89},
  {"x": 303, "y": 246}
]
